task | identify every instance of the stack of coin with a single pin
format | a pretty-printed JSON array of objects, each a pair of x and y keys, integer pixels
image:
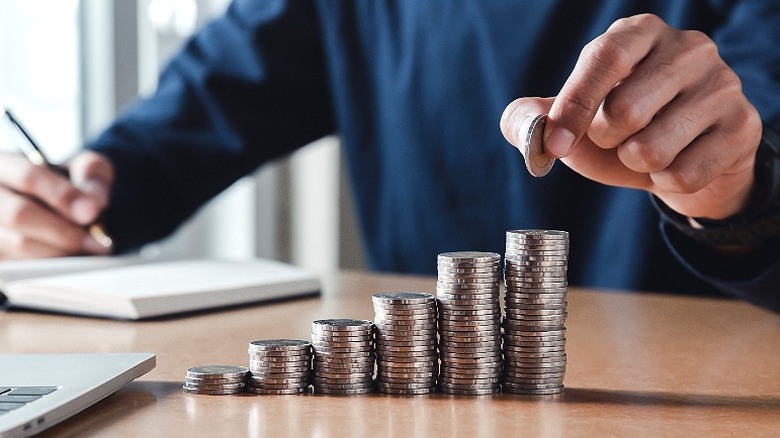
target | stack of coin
[
  {"x": 279, "y": 366},
  {"x": 407, "y": 361},
  {"x": 343, "y": 356},
  {"x": 216, "y": 379},
  {"x": 468, "y": 293},
  {"x": 534, "y": 331}
]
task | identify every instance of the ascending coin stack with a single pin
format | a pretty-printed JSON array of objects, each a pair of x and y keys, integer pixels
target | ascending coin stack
[
  {"x": 407, "y": 361},
  {"x": 468, "y": 293},
  {"x": 535, "y": 272},
  {"x": 279, "y": 366},
  {"x": 216, "y": 379},
  {"x": 343, "y": 356}
]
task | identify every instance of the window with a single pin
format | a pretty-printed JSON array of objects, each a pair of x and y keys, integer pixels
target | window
[{"x": 39, "y": 71}]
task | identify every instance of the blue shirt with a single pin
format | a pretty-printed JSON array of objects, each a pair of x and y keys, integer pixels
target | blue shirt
[{"x": 416, "y": 89}]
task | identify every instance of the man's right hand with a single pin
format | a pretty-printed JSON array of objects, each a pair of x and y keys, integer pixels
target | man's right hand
[{"x": 45, "y": 214}]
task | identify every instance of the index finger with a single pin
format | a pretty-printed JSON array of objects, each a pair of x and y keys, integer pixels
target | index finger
[
  {"x": 603, "y": 63},
  {"x": 39, "y": 182}
]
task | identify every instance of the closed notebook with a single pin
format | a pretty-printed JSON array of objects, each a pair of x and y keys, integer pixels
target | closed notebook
[{"x": 133, "y": 289}]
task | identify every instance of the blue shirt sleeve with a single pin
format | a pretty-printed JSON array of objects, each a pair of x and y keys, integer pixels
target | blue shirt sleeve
[{"x": 753, "y": 276}]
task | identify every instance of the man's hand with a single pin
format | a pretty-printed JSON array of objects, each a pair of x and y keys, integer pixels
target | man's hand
[
  {"x": 651, "y": 107},
  {"x": 44, "y": 214}
]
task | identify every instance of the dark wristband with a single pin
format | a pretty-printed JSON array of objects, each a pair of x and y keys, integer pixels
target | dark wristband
[{"x": 759, "y": 223}]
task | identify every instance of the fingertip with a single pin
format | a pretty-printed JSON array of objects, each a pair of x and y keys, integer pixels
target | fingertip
[{"x": 509, "y": 123}]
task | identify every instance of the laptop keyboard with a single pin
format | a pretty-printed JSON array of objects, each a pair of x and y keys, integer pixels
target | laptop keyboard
[{"x": 15, "y": 397}]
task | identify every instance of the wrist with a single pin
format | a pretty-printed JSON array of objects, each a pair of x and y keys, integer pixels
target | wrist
[{"x": 759, "y": 221}]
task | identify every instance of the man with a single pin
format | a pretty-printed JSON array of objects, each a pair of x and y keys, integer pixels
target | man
[{"x": 416, "y": 91}]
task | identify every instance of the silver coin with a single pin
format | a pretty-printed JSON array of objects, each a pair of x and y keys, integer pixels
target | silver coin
[
  {"x": 557, "y": 376},
  {"x": 217, "y": 370},
  {"x": 320, "y": 385},
  {"x": 534, "y": 345},
  {"x": 464, "y": 295},
  {"x": 537, "y": 234},
  {"x": 469, "y": 389},
  {"x": 299, "y": 377},
  {"x": 212, "y": 392},
  {"x": 403, "y": 307},
  {"x": 474, "y": 256},
  {"x": 279, "y": 344},
  {"x": 536, "y": 244},
  {"x": 255, "y": 369},
  {"x": 298, "y": 371},
  {"x": 526, "y": 275},
  {"x": 466, "y": 339},
  {"x": 291, "y": 381},
  {"x": 535, "y": 392},
  {"x": 469, "y": 313},
  {"x": 341, "y": 324},
  {"x": 469, "y": 370},
  {"x": 524, "y": 253},
  {"x": 410, "y": 336},
  {"x": 447, "y": 271},
  {"x": 403, "y": 297},
  {"x": 423, "y": 342},
  {"x": 415, "y": 356},
  {"x": 343, "y": 391},
  {"x": 483, "y": 331},
  {"x": 530, "y": 372},
  {"x": 405, "y": 385},
  {"x": 401, "y": 311},
  {"x": 408, "y": 375},
  {"x": 286, "y": 391},
  {"x": 555, "y": 383},
  {"x": 393, "y": 363},
  {"x": 535, "y": 303},
  {"x": 343, "y": 360},
  {"x": 406, "y": 391},
  {"x": 405, "y": 322},
  {"x": 535, "y": 379}
]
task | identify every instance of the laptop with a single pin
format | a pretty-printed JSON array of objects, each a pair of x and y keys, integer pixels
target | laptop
[{"x": 38, "y": 391}]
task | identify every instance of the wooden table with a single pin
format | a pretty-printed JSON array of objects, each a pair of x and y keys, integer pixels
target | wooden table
[{"x": 638, "y": 365}]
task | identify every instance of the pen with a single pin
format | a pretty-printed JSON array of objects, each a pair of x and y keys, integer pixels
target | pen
[{"x": 30, "y": 149}]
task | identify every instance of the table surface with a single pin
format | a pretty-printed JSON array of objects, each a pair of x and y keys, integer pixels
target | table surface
[{"x": 639, "y": 364}]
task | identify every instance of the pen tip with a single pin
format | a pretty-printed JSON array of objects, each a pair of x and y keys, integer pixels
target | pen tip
[{"x": 99, "y": 234}]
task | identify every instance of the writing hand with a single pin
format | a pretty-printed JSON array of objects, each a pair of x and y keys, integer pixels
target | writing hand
[
  {"x": 651, "y": 107},
  {"x": 44, "y": 214}
]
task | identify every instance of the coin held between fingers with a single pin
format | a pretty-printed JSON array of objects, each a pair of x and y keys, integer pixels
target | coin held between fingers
[{"x": 537, "y": 161}]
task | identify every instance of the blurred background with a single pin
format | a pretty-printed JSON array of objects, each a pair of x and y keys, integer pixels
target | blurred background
[{"x": 68, "y": 66}]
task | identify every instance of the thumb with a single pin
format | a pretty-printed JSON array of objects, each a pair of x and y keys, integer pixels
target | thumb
[
  {"x": 93, "y": 175},
  {"x": 518, "y": 115}
]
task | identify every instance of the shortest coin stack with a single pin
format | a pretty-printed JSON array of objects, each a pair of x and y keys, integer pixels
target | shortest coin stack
[
  {"x": 279, "y": 366},
  {"x": 216, "y": 379},
  {"x": 407, "y": 361},
  {"x": 343, "y": 356}
]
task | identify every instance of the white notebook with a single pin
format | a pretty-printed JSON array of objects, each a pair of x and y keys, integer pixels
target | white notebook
[{"x": 131, "y": 288}]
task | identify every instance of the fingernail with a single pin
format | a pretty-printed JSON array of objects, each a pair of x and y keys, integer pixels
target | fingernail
[
  {"x": 84, "y": 209},
  {"x": 94, "y": 188},
  {"x": 560, "y": 142},
  {"x": 92, "y": 246}
]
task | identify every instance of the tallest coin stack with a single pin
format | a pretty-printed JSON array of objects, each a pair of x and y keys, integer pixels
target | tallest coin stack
[{"x": 535, "y": 273}]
